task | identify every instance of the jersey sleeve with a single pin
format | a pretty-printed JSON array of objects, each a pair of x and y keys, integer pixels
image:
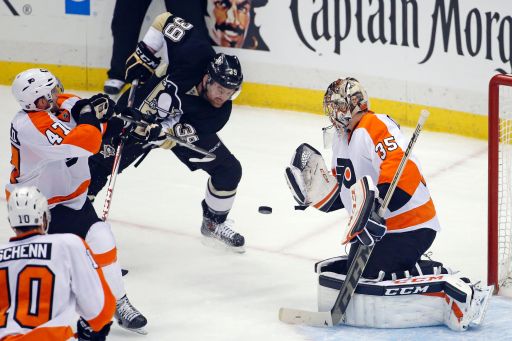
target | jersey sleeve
[
  {"x": 55, "y": 140},
  {"x": 95, "y": 301}
]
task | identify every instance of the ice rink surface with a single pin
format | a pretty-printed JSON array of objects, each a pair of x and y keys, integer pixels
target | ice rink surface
[{"x": 192, "y": 292}]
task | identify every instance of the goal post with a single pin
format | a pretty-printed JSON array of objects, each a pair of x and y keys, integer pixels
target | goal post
[{"x": 499, "y": 250}]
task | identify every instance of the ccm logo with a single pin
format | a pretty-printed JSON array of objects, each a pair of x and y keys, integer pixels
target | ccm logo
[
  {"x": 406, "y": 290},
  {"x": 418, "y": 279}
]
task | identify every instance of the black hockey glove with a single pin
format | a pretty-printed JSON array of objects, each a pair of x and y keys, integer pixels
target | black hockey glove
[
  {"x": 103, "y": 106},
  {"x": 85, "y": 333},
  {"x": 83, "y": 113},
  {"x": 374, "y": 230},
  {"x": 150, "y": 133},
  {"x": 141, "y": 64}
]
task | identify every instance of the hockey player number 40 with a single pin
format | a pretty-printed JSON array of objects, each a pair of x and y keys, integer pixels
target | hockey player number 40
[
  {"x": 34, "y": 281},
  {"x": 388, "y": 146}
]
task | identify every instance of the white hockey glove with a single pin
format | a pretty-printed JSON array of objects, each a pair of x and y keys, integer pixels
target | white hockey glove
[
  {"x": 365, "y": 225},
  {"x": 309, "y": 179}
]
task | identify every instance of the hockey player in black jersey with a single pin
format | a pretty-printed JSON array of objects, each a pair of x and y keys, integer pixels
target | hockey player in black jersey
[{"x": 191, "y": 101}]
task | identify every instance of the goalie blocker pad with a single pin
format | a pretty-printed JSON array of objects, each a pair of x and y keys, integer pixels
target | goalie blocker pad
[
  {"x": 309, "y": 179},
  {"x": 426, "y": 296}
]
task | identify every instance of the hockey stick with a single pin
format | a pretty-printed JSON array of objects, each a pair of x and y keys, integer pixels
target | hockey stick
[
  {"x": 117, "y": 158},
  {"x": 356, "y": 269},
  {"x": 207, "y": 155}
]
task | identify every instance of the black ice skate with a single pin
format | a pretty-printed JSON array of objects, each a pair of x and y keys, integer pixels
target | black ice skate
[
  {"x": 130, "y": 318},
  {"x": 222, "y": 234}
]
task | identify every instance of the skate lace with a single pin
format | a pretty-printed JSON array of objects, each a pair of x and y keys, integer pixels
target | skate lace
[
  {"x": 224, "y": 229},
  {"x": 127, "y": 311}
]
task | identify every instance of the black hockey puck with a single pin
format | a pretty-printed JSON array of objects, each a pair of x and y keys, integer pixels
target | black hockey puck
[{"x": 265, "y": 209}]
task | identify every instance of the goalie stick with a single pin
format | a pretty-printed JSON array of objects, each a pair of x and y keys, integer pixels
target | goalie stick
[{"x": 356, "y": 269}]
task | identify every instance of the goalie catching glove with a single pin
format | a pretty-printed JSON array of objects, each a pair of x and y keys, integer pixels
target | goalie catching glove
[
  {"x": 141, "y": 64},
  {"x": 309, "y": 179},
  {"x": 365, "y": 225}
]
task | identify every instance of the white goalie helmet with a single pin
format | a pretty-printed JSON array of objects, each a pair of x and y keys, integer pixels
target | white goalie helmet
[
  {"x": 31, "y": 84},
  {"x": 336, "y": 105},
  {"x": 27, "y": 206}
]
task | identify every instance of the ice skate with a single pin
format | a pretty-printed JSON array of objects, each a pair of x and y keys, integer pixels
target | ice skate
[
  {"x": 222, "y": 235},
  {"x": 130, "y": 318}
]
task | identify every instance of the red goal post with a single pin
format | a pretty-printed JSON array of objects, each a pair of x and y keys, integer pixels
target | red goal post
[{"x": 500, "y": 183}]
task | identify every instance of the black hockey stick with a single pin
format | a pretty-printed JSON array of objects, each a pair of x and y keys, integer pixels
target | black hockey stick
[
  {"x": 207, "y": 155},
  {"x": 356, "y": 269},
  {"x": 117, "y": 158}
]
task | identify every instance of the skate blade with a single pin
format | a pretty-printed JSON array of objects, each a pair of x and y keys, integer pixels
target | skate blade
[
  {"x": 141, "y": 330},
  {"x": 220, "y": 245}
]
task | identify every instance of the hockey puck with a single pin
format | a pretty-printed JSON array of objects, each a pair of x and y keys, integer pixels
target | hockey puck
[{"x": 265, "y": 209}]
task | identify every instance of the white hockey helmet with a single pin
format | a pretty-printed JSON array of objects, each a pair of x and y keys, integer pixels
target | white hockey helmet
[
  {"x": 26, "y": 207},
  {"x": 356, "y": 96},
  {"x": 336, "y": 105},
  {"x": 32, "y": 84}
]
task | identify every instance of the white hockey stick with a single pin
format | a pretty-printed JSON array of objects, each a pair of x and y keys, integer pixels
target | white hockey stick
[{"x": 356, "y": 269}]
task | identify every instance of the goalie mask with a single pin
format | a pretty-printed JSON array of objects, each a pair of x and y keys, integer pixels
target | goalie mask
[
  {"x": 336, "y": 105},
  {"x": 355, "y": 96}
]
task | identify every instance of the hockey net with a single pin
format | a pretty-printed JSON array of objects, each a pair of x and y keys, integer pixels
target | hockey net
[{"x": 500, "y": 184}]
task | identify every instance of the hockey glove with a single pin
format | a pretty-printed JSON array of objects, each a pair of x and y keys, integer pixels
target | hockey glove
[
  {"x": 103, "y": 106},
  {"x": 149, "y": 133},
  {"x": 364, "y": 222},
  {"x": 162, "y": 141},
  {"x": 141, "y": 64},
  {"x": 374, "y": 230},
  {"x": 309, "y": 179},
  {"x": 83, "y": 113},
  {"x": 85, "y": 333}
]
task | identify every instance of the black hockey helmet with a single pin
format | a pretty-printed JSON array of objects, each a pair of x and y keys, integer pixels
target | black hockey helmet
[{"x": 226, "y": 70}]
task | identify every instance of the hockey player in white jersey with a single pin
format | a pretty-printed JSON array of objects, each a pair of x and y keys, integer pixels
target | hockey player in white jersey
[
  {"x": 51, "y": 139},
  {"x": 371, "y": 146},
  {"x": 46, "y": 280}
]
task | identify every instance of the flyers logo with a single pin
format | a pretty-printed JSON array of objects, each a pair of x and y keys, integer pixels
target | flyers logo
[{"x": 345, "y": 172}]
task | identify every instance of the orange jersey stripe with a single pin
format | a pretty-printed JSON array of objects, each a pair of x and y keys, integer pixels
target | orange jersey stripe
[
  {"x": 416, "y": 216},
  {"x": 109, "y": 305},
  {"x": 80, "y": 189},
  {"x": 107, "y": 258},
  {"x": 378, "y": 131},
  {"x": 43, "y": 334}
]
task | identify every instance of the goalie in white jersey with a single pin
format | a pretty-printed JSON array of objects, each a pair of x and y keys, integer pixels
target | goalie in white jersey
[
  {"x": 46, "y": 280},
  {"x": 52, "y": 138},
  {"x": 370, "y": 146}
]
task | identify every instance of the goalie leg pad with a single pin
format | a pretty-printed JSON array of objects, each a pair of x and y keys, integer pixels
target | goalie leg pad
[{"x": 417, "y": 301}]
